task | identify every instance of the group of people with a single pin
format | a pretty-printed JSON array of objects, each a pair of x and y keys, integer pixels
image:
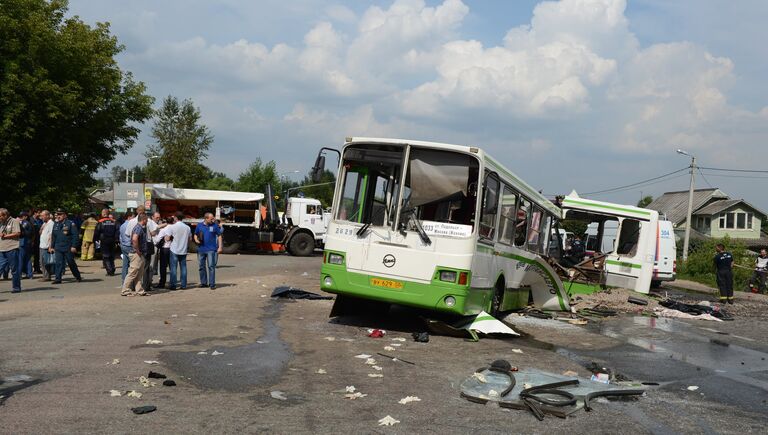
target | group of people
[{"x": 48, "y": 243}]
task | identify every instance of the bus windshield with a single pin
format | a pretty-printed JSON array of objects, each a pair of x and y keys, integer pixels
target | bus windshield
[{"x": 440, "y": 186}]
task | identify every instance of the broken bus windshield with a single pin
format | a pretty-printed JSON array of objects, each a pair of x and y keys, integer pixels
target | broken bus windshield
[{"x": 440, "y": 186}]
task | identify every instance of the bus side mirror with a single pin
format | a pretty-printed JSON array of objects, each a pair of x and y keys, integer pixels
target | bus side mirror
[{"x": 318, "y": 169}]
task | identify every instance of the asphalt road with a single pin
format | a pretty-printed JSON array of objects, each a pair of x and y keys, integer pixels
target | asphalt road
[{"x": 59, "y": 343}]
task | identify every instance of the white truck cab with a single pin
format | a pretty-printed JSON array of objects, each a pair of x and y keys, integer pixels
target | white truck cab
[{"x": 308, "y": 222}]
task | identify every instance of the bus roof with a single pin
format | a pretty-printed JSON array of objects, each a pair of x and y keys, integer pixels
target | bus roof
[{"x": 503, "y": 172}]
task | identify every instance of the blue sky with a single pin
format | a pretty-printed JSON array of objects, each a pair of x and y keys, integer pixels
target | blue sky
[{"x": 573, "y": 94}]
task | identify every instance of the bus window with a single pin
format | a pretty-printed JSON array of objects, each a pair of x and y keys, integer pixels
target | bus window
[
  {"x": 381, "y": 196},
  {"x": 507, "y": 223},
  {"x": 629, "y": 236},
  {"x": 490, "y": 208},
  {"x": 521, "y": 222},
  {"x": 350, "y": 207},
  {"x": 441, "y": 186}
]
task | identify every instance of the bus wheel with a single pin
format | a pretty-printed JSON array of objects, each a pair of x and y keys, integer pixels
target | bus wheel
[
  {"x": 498, "y": 297},
  {"x": 301, "y": 245}
]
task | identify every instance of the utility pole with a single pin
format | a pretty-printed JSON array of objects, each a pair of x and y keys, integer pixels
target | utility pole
[{"x": 688, "y": 223}]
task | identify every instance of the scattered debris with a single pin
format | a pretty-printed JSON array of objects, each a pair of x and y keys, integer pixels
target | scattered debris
[
  {"x": 296, "y": 293},
  {"x": 377, "y": 368},
  {"x": 376, "y": 333},
  {"x": 480, "y": 377},
  {"x": 154, "y": 341},
  {"x": 349, "y": 389},
  {"x": 637, "y": 301},
  {"x": 191, "y": 315},
  {"x": 375, "y": 375},
  {"x": 174, "y": 315},
  {"x": 202, "y": 352},
  {"x": 370, "y": 362},
  {"x": 570, "y": 373},
  {"x": 363, "y": 356},
  {"x": 146, "y": 383},
  {"x": 151, "y": 362},
  {"x": 389, "y": 348},
  {"x": 279, "y": 395},
  {"x": 398, "y": 339},
  {"x": 114, "y": 361},
  {"x": 601, "y": 377},
  {"x": 216, "y": 353},
  {"x": 166, "y": 322},
  {"x": 115, "y": 393},
  {"x": 243, "y": 332},
  {"x": 693, "y": 388},
  {"x": 696, "y": 309},
  {"x": 354, "y": 396},
  {"x": 396, "y": 359},
  {"x": 482, "y": 323},
  {"x": 330, "y": 338},
  {"x": 321, "y": 371},
  {"x": 155, "y": 375},
  {"x": 420, "y": 337},
  {"x": 675, "y": 314},
  {"x": 408, "y": 399},
  {"x": 134, "y": 394},
  {"x": 169, "y": 383},
  {"x": 388, "y": 421},
  {"x": 517, "y": 350},
  {"x": 578, "y": 321},
  {"x": 144, "y": 409}
]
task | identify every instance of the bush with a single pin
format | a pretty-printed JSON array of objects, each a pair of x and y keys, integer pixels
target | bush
[{"x": 701, "y": 267}]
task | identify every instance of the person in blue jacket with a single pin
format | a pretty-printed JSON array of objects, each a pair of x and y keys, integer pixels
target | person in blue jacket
[
  {"x": 64, "y": 241},
  {"x": 208, "y": 238}
]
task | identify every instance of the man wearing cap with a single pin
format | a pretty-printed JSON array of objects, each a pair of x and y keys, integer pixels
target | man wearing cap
[
  {"x": 10, "y": 231},
  {"x": 64, "y": 241},
  {"x": 106, "y": 234}
]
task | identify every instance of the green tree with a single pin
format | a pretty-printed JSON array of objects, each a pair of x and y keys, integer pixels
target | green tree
[
  {"x": 218, "y": 181},
  {"x": 700, "y": 266},
  {"x": 66, "y": 107},
  {"x": 257, "y": 176},
  {"x": 182, "y": 145},
  {"x": 323, "y": 192},
  {"x": 644, "y": 201}
]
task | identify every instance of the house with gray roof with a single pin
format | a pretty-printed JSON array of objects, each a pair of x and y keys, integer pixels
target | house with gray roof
[{"x": 715, "y": 214}]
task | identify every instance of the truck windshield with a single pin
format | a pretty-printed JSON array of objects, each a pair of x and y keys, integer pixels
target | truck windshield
[{"x": 440, "y": 186}]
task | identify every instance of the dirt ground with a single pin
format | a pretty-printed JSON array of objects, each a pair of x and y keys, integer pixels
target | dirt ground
[{"x": 235, "y": 354}]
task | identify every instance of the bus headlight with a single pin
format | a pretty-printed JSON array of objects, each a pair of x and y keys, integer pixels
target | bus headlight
[
  {"x": 447, "y": 276},
  {"x": 335, "y": 259},
  {"x": 328, "y": 281},
  {"x": 449, "y": 301}
]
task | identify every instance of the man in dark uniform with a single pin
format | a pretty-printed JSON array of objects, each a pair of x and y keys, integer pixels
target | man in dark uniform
[
  {"x": 64, "y": 241},
  {"x": 724, "y": 270},
  {"x": 106, "y": 234},
  {"x": 25, "y": 245}
]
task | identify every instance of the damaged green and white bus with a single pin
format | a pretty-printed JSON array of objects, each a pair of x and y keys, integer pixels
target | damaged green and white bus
[{"x": 437, "y": 226}]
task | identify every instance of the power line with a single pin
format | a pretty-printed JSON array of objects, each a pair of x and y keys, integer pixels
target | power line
[
  {"x": 635, "y": 187},
  {"x": 704, "y": 178},
  {"x": 738, "y": 176},
  {"x": 638, "y": 183},
  {"x": 733, "y": 170}
]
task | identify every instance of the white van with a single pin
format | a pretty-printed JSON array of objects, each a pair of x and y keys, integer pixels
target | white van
[{"x": 665, "y": 263}]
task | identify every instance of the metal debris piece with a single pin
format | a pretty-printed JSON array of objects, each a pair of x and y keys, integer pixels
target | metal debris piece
[{"x": 279, "y": 395}]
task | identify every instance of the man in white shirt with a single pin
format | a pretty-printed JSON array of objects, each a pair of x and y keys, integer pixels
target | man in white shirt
[
  {"x": 179, "y": 239},
  {"x": 45, "y": 242},
  {"x": 163, "y": 252}
]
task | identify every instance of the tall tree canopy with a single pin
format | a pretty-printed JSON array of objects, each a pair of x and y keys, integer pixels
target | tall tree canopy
[
  {"x": 644, "y": 201},
  {"x": 257, "y": 176},
  {"x": 66, "y": 107},
  {"x": 182, "y": 145}
]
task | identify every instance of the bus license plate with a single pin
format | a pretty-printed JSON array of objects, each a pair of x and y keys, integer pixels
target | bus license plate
[{"x": 386, "y": 283}]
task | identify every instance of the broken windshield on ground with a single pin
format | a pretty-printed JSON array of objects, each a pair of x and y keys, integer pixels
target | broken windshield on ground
[{"x": 440, "y": 186}]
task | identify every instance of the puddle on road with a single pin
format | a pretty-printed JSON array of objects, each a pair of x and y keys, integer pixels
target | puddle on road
[
  {"x": 238, "y": 368},
  {"x": 11, "y": 384},
  {"x": 676, "y": 354}
]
